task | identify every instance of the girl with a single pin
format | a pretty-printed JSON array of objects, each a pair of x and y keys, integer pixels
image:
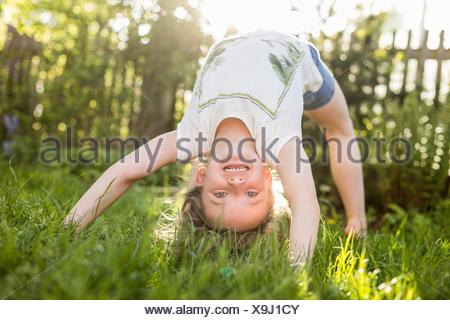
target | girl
[{"x": 245, "y": 115}]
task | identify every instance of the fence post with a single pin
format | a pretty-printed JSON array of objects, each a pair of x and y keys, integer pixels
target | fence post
[
  {"x": 390, "y": 64},
  {"x": 405, "y": 73},
  {"x": 437, "y": 88},
  {"x": 421, "y": 63}
]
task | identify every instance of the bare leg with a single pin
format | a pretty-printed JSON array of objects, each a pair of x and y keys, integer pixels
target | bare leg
[{"x": 346, "y": 172}]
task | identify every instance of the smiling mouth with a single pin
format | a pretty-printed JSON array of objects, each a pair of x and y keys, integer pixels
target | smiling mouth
[{"x": 236, "y": 168}]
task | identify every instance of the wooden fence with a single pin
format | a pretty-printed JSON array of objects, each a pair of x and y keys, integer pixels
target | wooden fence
[
  {"x": 15, "y": 67},
  {"x": 404, "y": 61},
  {"x": 422, "y": 54}
]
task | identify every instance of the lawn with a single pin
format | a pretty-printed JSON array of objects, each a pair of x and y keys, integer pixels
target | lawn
[{"x": 121, "y": 256}]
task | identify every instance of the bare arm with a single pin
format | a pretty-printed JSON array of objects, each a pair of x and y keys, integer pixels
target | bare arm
[
  {"x": 301, "y": 193},
  {"x": 346, "y": 166},
  {"x": 140, "y": 163}
]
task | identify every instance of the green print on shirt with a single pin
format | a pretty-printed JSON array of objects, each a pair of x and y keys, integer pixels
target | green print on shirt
[
  {"x": 284, "y": 66},
  {"x": 215, "y": 59}
]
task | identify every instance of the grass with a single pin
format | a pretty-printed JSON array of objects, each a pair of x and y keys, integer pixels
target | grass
[{"x": 120, "y": 257}]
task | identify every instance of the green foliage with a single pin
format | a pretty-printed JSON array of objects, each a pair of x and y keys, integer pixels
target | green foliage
[
  {"x": 420, "y": 179},
  {"x": 103, "y": 68},
  {"x": 407, "y": 160},
  {"x": 121, "y": 255}
]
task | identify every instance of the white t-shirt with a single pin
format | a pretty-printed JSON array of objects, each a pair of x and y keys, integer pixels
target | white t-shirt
[{"x": 259, "y": 78}]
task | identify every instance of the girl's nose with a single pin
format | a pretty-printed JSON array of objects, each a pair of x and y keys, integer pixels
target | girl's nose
[{"x": 236, "y": 180}]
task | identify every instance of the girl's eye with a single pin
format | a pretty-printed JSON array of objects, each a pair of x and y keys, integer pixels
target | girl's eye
[
  {"x": 221, "y": 194},
  {"x": 251, "y": 194}
]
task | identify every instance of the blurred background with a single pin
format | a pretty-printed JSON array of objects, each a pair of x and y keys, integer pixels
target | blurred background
[{"x": 122, "y": 68}]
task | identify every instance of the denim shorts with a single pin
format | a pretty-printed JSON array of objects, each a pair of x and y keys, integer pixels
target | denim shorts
[{"x": 314, "y": 100}]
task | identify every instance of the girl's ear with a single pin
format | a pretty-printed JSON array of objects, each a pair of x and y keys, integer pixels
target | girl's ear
[{"x": 200, "y": 176}]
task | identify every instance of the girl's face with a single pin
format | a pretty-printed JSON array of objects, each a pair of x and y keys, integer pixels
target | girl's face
[{"x": 235, "y": 195}]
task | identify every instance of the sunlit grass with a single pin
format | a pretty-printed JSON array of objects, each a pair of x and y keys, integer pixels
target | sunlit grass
[{"x": 120, "y": 256}]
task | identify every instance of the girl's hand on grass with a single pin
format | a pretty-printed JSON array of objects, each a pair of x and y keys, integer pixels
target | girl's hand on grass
[
  {"x": 357, "y": 227},
  {"x": 118, "y": 178}
]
